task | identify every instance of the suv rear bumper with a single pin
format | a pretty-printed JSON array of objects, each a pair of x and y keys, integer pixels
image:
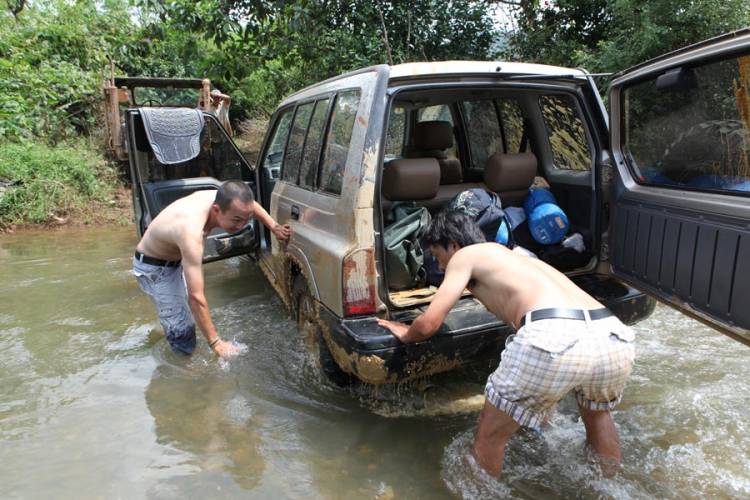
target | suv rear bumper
[{"x": 469, "y": 334}]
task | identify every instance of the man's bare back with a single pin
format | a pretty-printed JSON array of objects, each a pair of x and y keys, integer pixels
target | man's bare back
[
  {"x": 511, "y": 284},
  {"x": 183, "y": 220}
]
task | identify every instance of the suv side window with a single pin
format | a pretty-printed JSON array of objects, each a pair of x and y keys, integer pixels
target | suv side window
[
  {"x": 492, "y": 127},
  {"x": 441, "y": 112},
  {"x": 567, "y": 136},
  {"x": 394, "y": 141},
  {"x": 275, "y": 153},
  {"x": 290, "y": 169},
  {"x": 483, "y": 129},
  {"x": 690, "y": 128},
  {"x": 337, "y": 143},
  {"x": 313, "y": 144},
  {"x": 511, "y": 120}
]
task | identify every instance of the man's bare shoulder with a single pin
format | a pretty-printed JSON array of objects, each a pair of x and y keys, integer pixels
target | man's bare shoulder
[
  {"x": 190, "y": 210},
  {"x": 482, "y": 251},
  {"x": 486, "y": 259}
]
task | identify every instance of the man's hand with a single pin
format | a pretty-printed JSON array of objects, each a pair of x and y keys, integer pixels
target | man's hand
[
  {"x": 226, "y": 349},
  {"x": 282, "y": 233},
  {"x": 400, "y": 330}
]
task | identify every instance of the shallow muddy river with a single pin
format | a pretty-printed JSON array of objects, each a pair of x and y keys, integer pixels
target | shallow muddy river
[{"x": 94, "y": 405}]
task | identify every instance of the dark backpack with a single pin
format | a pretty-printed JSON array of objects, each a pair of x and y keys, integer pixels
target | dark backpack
[
  {"x": 482, "y": 206},
  {"x": 486, "y": 210}
]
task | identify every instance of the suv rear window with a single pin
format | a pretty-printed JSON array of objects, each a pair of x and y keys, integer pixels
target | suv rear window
[{"x": 690, "y": 128}]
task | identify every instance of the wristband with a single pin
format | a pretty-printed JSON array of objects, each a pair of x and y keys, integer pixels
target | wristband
[{"x": 214, "y": 342}]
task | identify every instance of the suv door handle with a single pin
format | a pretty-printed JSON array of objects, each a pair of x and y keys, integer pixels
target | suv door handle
[{"x": 295, "y": 212}]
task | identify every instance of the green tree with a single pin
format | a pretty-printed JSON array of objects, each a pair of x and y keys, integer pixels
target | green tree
[
  {"x": 327, "y": 37},
  {"x": 345, "y": 34},
  {"x": 50, "y": 59},
  {"x": 264, "y": 50},
  {"x": 611, "y": 35}
]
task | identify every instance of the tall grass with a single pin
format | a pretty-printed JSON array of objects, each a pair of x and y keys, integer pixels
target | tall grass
[{"x": 45, "y": 183}]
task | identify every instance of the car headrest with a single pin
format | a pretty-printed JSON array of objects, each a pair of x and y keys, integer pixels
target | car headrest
[
  {"x": 411, "y": 179},
  {"x": 509, "y": 172},
  {"x": 433, "y": 135}
]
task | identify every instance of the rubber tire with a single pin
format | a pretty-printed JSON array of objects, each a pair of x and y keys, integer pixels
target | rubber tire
[{"x": 304, "y": 314}]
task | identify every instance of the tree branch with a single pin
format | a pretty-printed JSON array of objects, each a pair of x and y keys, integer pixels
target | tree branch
[
  {"x": 385, "y": 35},
  {"x": 15, "y": 7},
  {"x": 408, "y": 36}
]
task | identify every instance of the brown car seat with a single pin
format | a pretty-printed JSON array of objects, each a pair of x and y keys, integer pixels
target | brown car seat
[
  {"x": 510, "y": 176},
  {"x": 431, "y": 140}
]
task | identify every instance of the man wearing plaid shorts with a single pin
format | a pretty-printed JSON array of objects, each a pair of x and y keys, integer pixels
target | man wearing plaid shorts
[{"x": 565, "y": 340}]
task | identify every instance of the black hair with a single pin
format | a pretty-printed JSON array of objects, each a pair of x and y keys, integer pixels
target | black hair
[
  {"x": 453, "y": 226},
  {"x": 233, "y": 190}
]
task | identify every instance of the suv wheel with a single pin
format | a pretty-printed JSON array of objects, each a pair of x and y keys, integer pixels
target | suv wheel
[{"x": 307, "y": 323}]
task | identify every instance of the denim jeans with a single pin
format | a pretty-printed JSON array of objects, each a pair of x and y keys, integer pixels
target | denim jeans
[{"x": 166, "y": 287}]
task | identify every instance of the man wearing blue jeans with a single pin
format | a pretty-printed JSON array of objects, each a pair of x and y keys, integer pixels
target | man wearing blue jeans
[
  {"x": 565, "y": 340},
  {"x": 168, "y": 262}
]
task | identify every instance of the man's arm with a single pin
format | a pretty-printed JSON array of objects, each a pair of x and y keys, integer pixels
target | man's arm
[
  {"x": 192, "y": 266},
  {"x": 457, "y": 276},
  {"x": 281, "y": 232}
]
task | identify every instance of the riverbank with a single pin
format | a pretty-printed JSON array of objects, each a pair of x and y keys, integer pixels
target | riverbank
[
  {"x": 116, "y": 211},
  {"x": 74, "y": 184}
]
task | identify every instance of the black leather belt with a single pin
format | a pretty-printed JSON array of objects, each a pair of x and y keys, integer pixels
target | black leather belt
[
  {"x": 556, "y": 313},
  {"x": 156, "y": 262}
]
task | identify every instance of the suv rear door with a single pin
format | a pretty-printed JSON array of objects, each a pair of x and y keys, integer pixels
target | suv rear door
[{"x": 680, "y": 227}]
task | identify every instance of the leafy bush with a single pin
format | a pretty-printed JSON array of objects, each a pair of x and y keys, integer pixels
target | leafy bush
[
  {"x": 46, "y": 182},
  {"x": 50, "y": 59}
]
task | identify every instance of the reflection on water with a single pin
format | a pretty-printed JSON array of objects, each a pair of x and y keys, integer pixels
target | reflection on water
[{"x": 93, "y": 404}]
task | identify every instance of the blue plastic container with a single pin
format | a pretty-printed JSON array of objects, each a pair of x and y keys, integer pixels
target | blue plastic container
[{"x": 547, "y": 222}]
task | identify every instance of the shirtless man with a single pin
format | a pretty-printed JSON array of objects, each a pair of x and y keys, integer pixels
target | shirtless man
[
  {"x": 168, "y": 261},
  {"x": 565, "y": 340}
]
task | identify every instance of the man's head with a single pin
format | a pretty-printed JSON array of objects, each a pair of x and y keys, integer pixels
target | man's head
[
  {"x": 448, "y": 232},
  {"x": 233, "y": 206}
]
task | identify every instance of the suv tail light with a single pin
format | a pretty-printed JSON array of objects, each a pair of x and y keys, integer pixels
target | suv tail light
[{"x": 359, "y": 282}]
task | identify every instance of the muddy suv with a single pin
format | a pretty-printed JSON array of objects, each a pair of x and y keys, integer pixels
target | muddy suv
[{"x": 655, "y": 195}]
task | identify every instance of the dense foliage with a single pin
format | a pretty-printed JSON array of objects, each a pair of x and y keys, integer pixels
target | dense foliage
[
  {"x": 55, "y": 54},
  {"x": 612, "y": 35}
]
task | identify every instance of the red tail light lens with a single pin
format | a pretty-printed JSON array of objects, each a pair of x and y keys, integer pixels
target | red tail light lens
[{"x": 359, "y": 282}]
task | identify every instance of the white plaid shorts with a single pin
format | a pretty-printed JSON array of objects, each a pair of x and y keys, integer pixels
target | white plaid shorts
[{"x": 548, "y": 358}]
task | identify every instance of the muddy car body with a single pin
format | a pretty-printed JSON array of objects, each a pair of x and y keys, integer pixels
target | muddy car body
[{"x": 338, "y": 155}]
